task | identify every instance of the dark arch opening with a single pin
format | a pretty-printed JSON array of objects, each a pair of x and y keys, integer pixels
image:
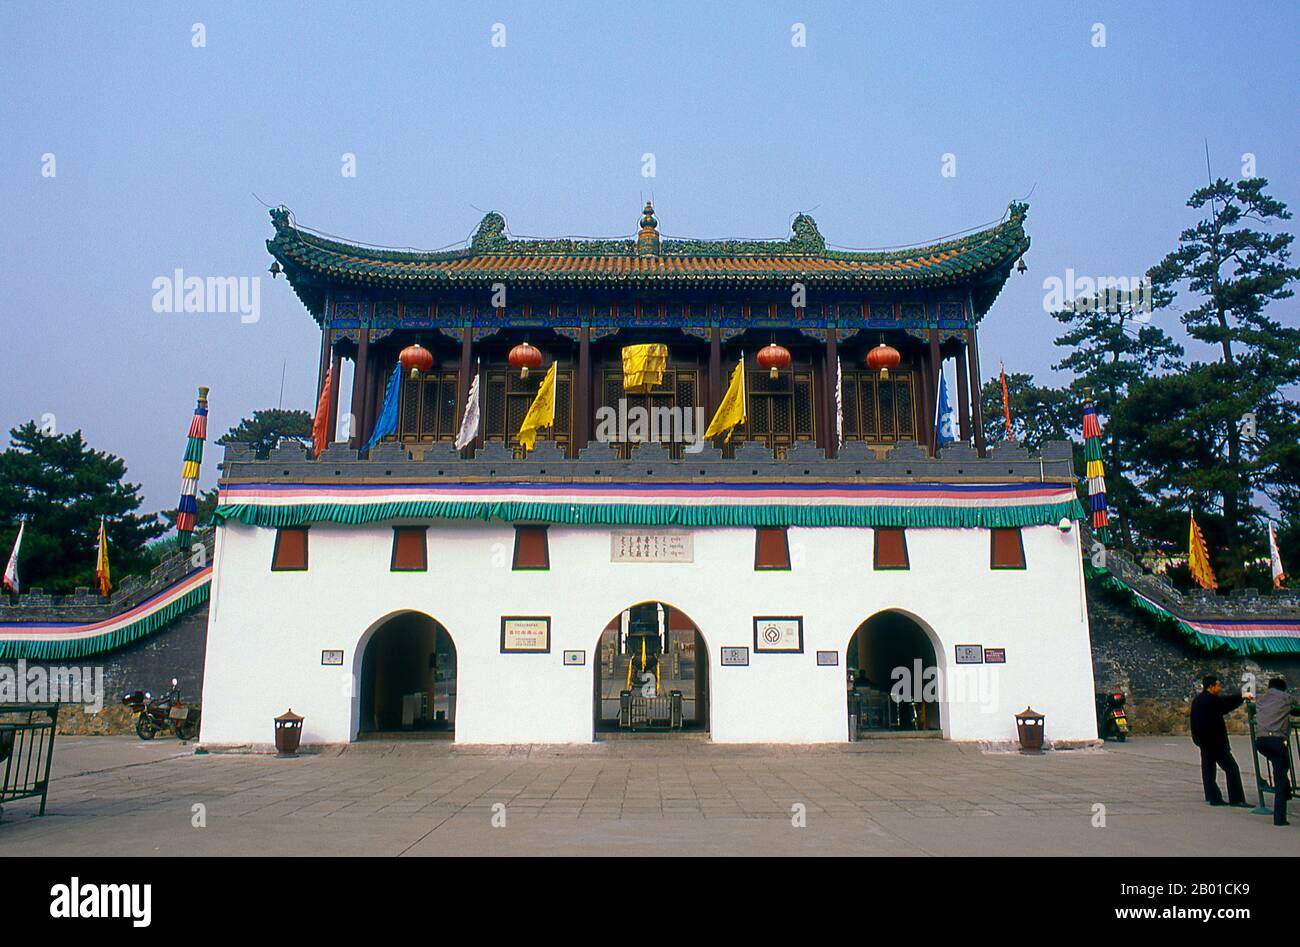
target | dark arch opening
[
  {"x": 408, "y": 678},
  {"x": 894, "y": 683},
  {"x": 650, "y": 673}
]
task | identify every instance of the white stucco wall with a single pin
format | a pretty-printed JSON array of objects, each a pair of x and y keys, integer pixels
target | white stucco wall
[{"x": 267, "y": 630}]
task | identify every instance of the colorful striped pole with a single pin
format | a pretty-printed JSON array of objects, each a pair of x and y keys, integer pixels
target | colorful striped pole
[
  {"x": 1095, "y": 472},
  {"x": 187, "y": 509}
]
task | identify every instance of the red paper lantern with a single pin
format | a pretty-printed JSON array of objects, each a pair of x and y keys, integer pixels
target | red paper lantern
[
  {"x": 415, "y": 359},
  {"x": 774, "y": 358},
  {"x": 524, "y": 356},
  {"x": 882, "y": 358}
]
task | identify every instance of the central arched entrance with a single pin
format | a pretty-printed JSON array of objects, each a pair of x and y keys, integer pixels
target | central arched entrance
[
  {"x": 895, "y": 683},
  {"x": 408, "y": 678},
  {"x": 651, "y": 673}
]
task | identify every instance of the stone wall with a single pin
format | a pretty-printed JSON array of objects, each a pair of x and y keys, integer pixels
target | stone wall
[{"x": 1159, "y": 670}]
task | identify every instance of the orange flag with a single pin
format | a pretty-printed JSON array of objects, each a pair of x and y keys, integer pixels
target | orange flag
[
  {"x": 103, "y": 577},
  {"x": 1198, "y": 559},
  {"x": 1006, "y": 401},
  {"x": 320, "y": 434}
]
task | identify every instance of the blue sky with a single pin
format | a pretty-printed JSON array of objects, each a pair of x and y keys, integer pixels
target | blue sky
[{"x": 164, "y": 153}]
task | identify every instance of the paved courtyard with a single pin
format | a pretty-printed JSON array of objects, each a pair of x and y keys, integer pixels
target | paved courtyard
[{"x": 116, "y": 795}]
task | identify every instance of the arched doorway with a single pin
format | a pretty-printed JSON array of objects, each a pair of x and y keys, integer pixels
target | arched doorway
[
  {"x": 408, "y": 678},
  {"x": 895, "y": 683},
  {"x": 651, "y": 673}
]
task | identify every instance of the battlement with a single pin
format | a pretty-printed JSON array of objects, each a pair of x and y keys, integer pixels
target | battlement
[{"x": 856, "y": 461}]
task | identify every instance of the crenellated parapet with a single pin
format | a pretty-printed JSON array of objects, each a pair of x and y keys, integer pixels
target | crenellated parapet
[{"x": 855, "y": 461}]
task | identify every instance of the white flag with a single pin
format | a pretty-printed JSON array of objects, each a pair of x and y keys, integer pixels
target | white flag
[
  {"x": 469, "y": 424},
  {"x": 1279, "y": 576},
  {"x": 11, "y": 570},
  {"x": 839, "y": 404}
]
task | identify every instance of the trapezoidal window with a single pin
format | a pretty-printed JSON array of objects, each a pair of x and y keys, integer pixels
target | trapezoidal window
[
  {"x": 290, "y": 549},
  {"x": 891, "y": 549},
  {"x": 410, "y": 550},
  {"x": 771, "y": 548},
  {"x": 1007, "y": 548},
  {"x": 531, "y": 548}
]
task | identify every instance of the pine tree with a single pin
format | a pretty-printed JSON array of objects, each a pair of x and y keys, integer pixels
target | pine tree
[
  {"x": 62, "y": 487},
  {"x": 1222, "y": 436}
]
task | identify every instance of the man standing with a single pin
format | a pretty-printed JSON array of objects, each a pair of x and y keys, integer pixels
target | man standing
[
  {"x": 1210, "y": 734},
  {"x": 1273, "y": 711}
]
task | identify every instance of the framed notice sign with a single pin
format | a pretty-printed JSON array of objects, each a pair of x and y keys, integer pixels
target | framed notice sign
[
  {"x": 332, "y": 658},
  {"x": 778, "y": 634},
  {"x": 525, "y": 634},
  {"x": 735, "y": 657},
  {"x": 970, "y": 654},
  {"x": 995, "y": 655},
  {"x": 828, "y": 659},
  {"x": 651, "y": 546}
]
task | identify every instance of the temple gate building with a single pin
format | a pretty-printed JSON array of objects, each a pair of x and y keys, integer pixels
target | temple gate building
[{"x": 830, "y": 571}]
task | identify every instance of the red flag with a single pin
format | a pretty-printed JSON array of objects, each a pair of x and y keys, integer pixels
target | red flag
[
  {"x": 320, "y": 432},
  {"x": 1006, "y": 401}
]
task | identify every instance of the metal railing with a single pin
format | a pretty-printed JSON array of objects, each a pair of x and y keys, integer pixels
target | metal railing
[{"x": 26, "y": 751}]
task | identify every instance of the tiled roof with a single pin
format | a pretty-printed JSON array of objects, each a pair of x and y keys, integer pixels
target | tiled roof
[{"x": 984, "y": 257}]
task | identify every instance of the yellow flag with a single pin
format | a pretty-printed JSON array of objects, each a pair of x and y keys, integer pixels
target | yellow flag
[
  {"x": 542, "y": 412},
  {"x": 732, "y": 410},
  {"x": 1198, "y": 559},
  {"x": 643, "y": 366},
  {"x": 102, "y": 575}
]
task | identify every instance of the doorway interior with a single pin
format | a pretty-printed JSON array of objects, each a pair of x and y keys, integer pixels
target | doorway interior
[
  {"x": 651, "y": 673},
  {"x": 893, "y": 678},
  {"x": 408, "y": 679}
]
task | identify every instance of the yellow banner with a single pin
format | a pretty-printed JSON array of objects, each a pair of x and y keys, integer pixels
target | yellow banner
[
  {"x": 731, "y": 412},
  {"x": 542, "y": 412}
]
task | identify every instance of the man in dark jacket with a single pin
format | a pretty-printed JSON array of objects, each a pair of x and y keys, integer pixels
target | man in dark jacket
[{"x": 1210, "y": 734}]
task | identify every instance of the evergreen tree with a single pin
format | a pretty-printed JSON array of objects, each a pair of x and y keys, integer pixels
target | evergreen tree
[
  {"x": 1222, "y": 436},
  {"x": 267, "y": 428},
  {"x": 1113, "y": 346},
  {"x": 1038, "y": 413},
  {"x": 62, "y": 487}
]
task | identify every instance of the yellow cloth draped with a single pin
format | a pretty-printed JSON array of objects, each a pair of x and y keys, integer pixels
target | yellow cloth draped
[
  {"x": 643, "y": 366},
  {"x": 102, "y": 575},
  {"x": 1198, "y": 559},
  {"x": 731, "y": 412},
  {"x": 542, "y": 412}
]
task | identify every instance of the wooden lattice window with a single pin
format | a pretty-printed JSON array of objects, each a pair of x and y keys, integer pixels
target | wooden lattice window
[
  {"x": 879, "y": 410},
  {"x": 780, "y": 411},
  {"x": 508, "y": 398},
  {"x": 679, "y": 390},
  {"x": 427, "y": 411}
]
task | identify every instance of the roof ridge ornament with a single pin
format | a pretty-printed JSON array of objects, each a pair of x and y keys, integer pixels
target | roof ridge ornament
[
  {"x": 805, "y": 237},
  {"x": 647, "y": 239},
  {"x": 491, "y": 234}
]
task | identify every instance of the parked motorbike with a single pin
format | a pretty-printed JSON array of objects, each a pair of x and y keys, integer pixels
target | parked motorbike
[
  {"x": 167, "y": 713},
  {"x": 1112, "y": 718}
]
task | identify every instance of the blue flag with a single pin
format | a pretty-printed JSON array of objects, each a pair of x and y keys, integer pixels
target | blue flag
[
  {"x": 387, "y": 421},
  {"x": 944, "y": 433}
]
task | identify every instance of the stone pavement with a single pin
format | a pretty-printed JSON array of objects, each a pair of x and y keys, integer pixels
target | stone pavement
[{"x": 116, "y": 795}]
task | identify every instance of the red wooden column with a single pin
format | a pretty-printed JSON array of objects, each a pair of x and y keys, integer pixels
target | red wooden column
[
  {"x": 925, "y": 418},
  {"x": 336, "y": 369},
  {"x": 936, "y": 366},
  {"x": 963, "y": 395},
  {"x": 715, "y": 370},
  {"x": 465, "y": 374},
  {"x": 324, "y": 362},
  {"x": 582, "y": 393},
  {"x": 973, "y": 360},
  {"x": 360, "y": 374}
]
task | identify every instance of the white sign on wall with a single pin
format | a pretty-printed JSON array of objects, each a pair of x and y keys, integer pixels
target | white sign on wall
[
  {"x": 651, "y": 546},
  {"x": 779, "y": 634}
]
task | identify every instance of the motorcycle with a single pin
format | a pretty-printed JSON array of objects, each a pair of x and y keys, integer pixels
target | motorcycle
[
  {"x": 1112, "y": 718},
  {"x": 168, "y": 713}
]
